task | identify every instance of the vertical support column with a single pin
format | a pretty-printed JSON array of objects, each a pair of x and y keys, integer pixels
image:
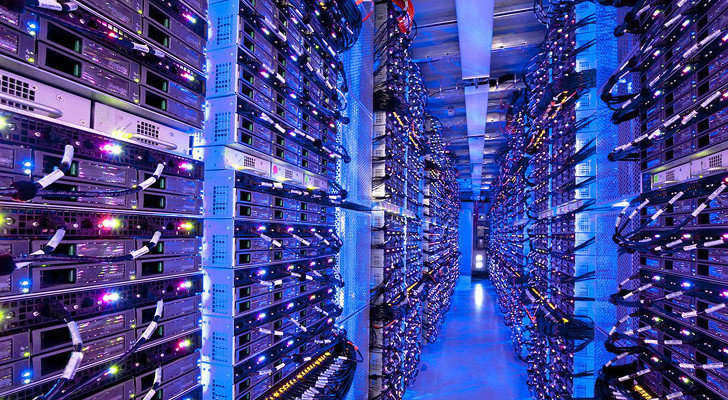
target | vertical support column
[
  {"x": 597, "y": 222},
  {"x": 354, "y": 227}
]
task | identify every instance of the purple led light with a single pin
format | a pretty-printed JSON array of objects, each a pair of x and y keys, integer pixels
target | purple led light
[
  {"x": 110, "y": 297},
  {"x": 184, "y": 285}
]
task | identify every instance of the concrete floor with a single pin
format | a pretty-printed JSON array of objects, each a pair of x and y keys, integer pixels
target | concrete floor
[{"x": 472, "y": 358}]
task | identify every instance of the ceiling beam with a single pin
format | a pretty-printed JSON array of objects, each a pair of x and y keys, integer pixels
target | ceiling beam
[
  {"x": 475, "y": 37},
  {"x": 499, "y": 14}
]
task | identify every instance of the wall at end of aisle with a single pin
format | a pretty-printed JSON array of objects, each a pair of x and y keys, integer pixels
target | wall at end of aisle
[{"x": 466, "y": 238}]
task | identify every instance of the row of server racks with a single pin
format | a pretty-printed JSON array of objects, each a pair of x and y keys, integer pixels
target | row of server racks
[
  {"x": 415, "y": 258},
  {"x": 610, "y": 274},
  {"x": 167, "y": 196},
  {"x": 172, "y": 211}
]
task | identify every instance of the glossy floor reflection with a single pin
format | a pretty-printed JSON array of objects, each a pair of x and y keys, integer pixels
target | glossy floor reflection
[{"x": 473, "y": 357}]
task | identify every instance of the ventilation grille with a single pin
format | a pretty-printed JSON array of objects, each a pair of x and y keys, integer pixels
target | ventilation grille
[
  {"x": 222, "y": 77},
  {"x": 670, "y": 176},
  {"x": 146, "y": 129},
  {"x": 584, "y": 169},
  {"x": 220, "y": 346},
  {"x": 221, "y": 126},
  {"x": 218, "y": 248},
  {"x": 585, "y": 225},
  {"x": 715, "y": 161},
  {"x": 248, "y": 161},
  {"x": 18, "y": 88},
  {"x": 224, "y": 27},
  {"x": 220, "y": 199}
]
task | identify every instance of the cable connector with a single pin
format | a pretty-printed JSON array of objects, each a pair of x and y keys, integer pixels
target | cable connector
[{"x": 147, "y": 247}]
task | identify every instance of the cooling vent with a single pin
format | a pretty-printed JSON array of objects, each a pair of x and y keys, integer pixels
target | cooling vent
[
  {"x": 18, "y": 88},
  {"x": 220, "y": 195},
  {"x": 224, "y": 29},
  {"x": 248, "y": 162},
  {"x": 715, "y": 161},
  {"x": 222, "y": 77},
  {"x": 218, "y": 250},
  {"x": 584, "y": 170},
  {"x": 670, "y": 176},
  {"x": 146, "y": 129},
  {"x": 219, "y": 343},
  {"x": 221, "y": 125},
  {"x": 289, "y": 174}
]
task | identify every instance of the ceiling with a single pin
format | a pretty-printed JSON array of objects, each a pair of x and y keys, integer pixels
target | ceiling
[{"x": 516, "y": 37}]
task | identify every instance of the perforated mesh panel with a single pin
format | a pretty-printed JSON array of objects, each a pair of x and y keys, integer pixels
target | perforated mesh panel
[
  {"x": 18, "y": 88},
  {"x": 715, "y": 161},
  {"x": 221, "y": 125},
  {"x": 356, "y": 178},
  {"x": 218, "y": 250},
  {"x": 224, "y": 28},
  {"x": 223, "y": 78},
  {"x": 146, "y": 129},
  {"x": 220, "y": 196}
]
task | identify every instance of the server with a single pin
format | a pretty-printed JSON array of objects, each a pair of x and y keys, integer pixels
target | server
[
  {"x": 670, "y": 343},
  {"x": 441, "y": 206},
  {"x": 110, "y": 285},
  {"x": 271, "y": 151},
  {"x": 100, "y": 199},
  {"x": 538, "y": 229},
  {"x": 414, "y": 241}
]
